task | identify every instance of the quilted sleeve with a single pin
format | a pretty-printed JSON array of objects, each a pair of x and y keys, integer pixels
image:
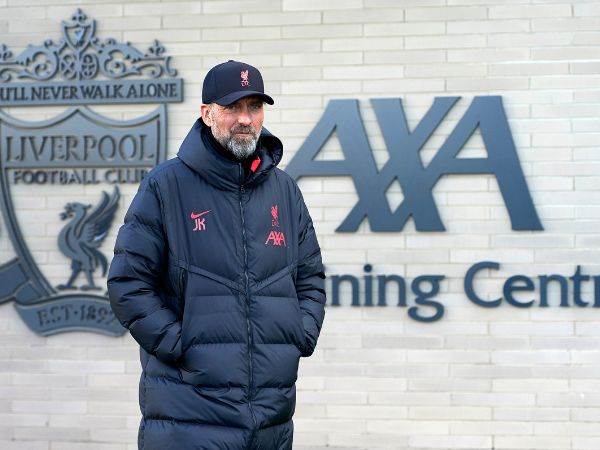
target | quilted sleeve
[
  {"x": 310, "y": 279},
  {"x": 133, "y": 278}
]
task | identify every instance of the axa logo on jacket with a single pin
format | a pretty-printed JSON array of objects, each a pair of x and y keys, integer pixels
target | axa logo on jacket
[{"x": 276, "y": 238}]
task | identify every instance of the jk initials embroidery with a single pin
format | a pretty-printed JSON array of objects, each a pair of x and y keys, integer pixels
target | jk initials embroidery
[{"x": 199, "y": 224}]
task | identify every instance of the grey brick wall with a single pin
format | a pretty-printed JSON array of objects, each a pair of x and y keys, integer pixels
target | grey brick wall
[{"x": 504, "y": 378}]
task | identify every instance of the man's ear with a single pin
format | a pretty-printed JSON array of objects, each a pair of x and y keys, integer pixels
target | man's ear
[{"x": 205, "y": 113}]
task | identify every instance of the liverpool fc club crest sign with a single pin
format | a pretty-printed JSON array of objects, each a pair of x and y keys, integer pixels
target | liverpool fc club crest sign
[{"x": 83, "y": 159}]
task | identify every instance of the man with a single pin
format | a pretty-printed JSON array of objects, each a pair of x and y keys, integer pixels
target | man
[{"x": 217, "y": 274}]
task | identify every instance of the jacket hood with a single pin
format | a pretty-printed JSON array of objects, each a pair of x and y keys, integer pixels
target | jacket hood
[{"x": 222, "y": 172}]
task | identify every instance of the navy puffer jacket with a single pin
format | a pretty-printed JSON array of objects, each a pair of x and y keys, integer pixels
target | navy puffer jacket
[{"x": 219, "y": 278}]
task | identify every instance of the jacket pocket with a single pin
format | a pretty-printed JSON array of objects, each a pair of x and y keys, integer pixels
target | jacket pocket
[
  {"x": 187, "y": 375},
  {"x": 301, "y": 341},
  {"x": 181, "y": 286},
  {"x": 186, "y": 332},
  {"x": 181, "y": 283}
]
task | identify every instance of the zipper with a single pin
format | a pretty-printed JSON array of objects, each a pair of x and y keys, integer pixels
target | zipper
[{"x": 247, "y": 306}]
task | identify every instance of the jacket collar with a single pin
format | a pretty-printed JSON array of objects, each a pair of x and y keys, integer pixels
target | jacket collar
[{"x": 224, "y": 173}]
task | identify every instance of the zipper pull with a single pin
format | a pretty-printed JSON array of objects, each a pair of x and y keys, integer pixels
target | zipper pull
[{"x": 241, "y": 172}]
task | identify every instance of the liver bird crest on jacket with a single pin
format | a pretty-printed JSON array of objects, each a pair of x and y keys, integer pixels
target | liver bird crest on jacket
[{"x": 81, "y": 237}]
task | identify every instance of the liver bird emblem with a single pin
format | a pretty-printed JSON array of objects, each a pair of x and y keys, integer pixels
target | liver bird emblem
[
  {"x": 275, "y": 216},
  {"x": 81, "y": 237}
]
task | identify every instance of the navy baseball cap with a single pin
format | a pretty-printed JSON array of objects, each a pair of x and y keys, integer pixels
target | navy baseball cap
[{"x": 227, "y": 82}]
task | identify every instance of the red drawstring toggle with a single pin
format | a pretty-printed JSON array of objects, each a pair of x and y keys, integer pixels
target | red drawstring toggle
[{"x": 255, "y": 164}]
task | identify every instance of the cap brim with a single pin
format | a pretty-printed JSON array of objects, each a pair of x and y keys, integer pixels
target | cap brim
[{"x": 235, "y": 96}]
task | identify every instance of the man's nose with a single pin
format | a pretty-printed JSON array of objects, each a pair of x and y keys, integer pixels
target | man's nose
[{"x": 244, "y": 117}]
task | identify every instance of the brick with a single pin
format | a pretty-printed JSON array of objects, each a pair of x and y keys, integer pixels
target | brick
[
  {"x": 409, "y": 398},
  {"x": 529, "y": 39},
  {"x": 49, "y": 407},
  {"x": 493, "y": 399},
  {"x": 449, "y": 412},
  {"x": 19, "y": 13},
  {"x": 280, "y": 46},
  {"x": 321, "y": 31},
  {"x": 475, "y": 442},
  {"x": 246, "y": 33},
  {"x": 446, "y": 13},
  {"x": 371, "y": 440},
  {"x": 312, "y": 87},
  {"x": 141, "y": 8},
  {"x": 406, "y": 427},
  {"x": 532, "y": 68},
  {"x": 91, "y": 11},
  {"x": 488, "y": 83},
  {"x": 85, "y": 367},
  {"x": 400, "y": 87},
  {"x": 488, "y": 26},
  {"x": 50, "y": 434},
  {"x": 318, "y": 59},
  {"x": 280, "y": 18},
  {"x": 559, "y": 54},
  {"x": 304, "y": 5},
  {"x": 568, "y": 399},
  {"x": 235, "y": 6},
  {"x": 191, "y": 20},
  {"x": 529, "y": 329},
  {"x": 363, "y": 15},
  {"x": 488, "y": 54},
  {"x": 23, "y": 420},
  {"x": 404, "y": 29},
  {"x": 58, "y": 445},
  {"x": 489, "y": 428},
  {"x": 365, "y": 384},
  {"x": 448, "y": 41},
  {"x": 585, "y": 443},
  {"x": 362, "y": 43},
  {"x": 537, "y": 414},
  {"x": 371, "y": 412},
  {"x": 361, "y": 72},
  {"x": 24, "y": 445},
  {"x": 529, "y": 11},
  {"x": 445, "y": 70},
  {"x": 528, "y": 442}
]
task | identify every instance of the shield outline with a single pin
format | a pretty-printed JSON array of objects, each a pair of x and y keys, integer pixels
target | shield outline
[{"x": 46, "y": 292}]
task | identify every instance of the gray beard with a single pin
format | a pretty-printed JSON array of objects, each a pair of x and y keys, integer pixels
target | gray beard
[{"x": 241, "y": 149}]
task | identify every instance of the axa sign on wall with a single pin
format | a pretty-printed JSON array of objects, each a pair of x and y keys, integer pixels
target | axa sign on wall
[
  {"x": 77, "y": 147},
  {"x": 405, "y": 165},
  {"x": 486, "y": 114}
]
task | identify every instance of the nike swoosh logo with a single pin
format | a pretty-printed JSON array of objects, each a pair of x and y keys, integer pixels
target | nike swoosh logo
[{"x": 195, "y": 216}]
